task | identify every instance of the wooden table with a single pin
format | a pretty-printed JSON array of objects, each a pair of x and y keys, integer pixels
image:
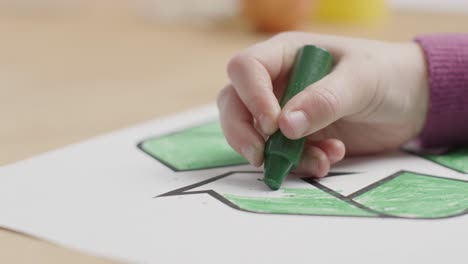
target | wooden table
[{"x": 67, "y": 79}]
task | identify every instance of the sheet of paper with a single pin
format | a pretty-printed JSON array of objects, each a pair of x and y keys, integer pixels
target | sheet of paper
[{"x": 172, "y": 191}]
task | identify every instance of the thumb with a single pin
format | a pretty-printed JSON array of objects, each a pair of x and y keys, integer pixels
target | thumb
[{"x": 320, "y": 104}]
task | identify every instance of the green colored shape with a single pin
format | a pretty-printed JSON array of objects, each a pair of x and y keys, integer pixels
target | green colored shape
[
  {"x": 299, "y": 201},
  {"x": 418, "y": 196},
  {"x": 456, "y": 159},
  {"x": 196, "y": 148}
]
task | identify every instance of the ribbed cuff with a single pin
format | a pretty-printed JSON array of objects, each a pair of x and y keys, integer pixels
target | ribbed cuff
[{"x": 447, "y": 118}]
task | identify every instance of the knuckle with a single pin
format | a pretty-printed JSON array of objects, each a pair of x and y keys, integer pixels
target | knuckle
[
  {"x": 255, "y": 102},
  {"x": 365, "y": 84},
  {"x": 286, "y": 35},
  {"x": 236, "y": 64},
  {"x": 282, "y": 35},
  {"x": 326, "y": 99}
]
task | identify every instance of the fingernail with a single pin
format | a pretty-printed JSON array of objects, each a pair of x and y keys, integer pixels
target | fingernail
[
  {"x": 250, "y": 153},
  {"x": 266, "y": 125},
  {"x": 297, "y": 121}
]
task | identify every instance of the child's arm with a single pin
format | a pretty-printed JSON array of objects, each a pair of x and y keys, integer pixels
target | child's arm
[{"x": 375, "y": 99}]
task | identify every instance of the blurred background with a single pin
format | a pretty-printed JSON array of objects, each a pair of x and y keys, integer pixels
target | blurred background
[
  {"x": 72, "y": 69},
  {"x": 269, "y": 15}
]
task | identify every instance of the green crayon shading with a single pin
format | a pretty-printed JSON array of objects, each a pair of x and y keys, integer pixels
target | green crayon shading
[
  {"x": 298, "y": 201},
  {"x": 456, "y": 159},
  {"x": 196, "y": 148},
  {"x": 417, "y": 196}
]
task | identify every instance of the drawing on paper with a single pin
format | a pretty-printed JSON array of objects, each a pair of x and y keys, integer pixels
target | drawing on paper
[
  {"x": 197, "y": 148},
  {"x": 402, "y": 195},
  {"x": 405, "y": 194},
  {"x": 456, "y": 159}
]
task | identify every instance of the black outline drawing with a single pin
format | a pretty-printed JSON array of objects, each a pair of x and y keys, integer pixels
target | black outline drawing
[
  {"x": 348, "y": 199},
  {"x": 421, "y": 155},
  {"x": 140, "y": 146}
]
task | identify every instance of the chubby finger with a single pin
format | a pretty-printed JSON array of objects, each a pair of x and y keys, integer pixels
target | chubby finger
[
  {"x": 314, "y": 162},
  {"x": 320, "y": 155},
  {"x": 254, "y": 86},
  {"x": 336, "y": 95},
  {"x": 333, "y": 148},
  {"x": 237, "y": 126}
]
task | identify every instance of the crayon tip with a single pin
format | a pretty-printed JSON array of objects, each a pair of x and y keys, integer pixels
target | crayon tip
[{"x": 276, "y": 169}]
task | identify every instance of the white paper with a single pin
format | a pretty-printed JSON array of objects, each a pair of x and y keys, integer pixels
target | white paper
[{"x": 99, "y": 196}]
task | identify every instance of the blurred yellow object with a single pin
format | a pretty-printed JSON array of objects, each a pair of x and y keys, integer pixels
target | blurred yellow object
[
  {"x": 277, "y": 15},
  {"x": 360, "y": 11}
]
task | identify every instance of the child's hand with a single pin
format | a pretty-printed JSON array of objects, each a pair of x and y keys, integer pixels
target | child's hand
[{"x": 374, "y": 100}]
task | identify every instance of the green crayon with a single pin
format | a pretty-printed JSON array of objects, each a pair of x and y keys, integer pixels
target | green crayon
[{"x": 281, "y": 153}]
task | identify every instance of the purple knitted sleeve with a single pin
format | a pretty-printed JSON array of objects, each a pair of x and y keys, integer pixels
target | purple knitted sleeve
[{"x": 447, "y": 118}]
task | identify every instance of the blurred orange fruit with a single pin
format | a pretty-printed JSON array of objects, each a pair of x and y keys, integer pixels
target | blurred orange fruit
[{"x": 277, "y": 15}]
